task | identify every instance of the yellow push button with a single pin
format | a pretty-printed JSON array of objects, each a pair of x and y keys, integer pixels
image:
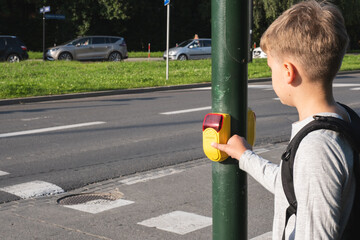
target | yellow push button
[
  {"x": 210, "y": 136},
  {"x": 216, "y": 128}
]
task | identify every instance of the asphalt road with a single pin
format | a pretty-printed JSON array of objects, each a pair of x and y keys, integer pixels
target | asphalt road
[{"x": 72, "y": 143}]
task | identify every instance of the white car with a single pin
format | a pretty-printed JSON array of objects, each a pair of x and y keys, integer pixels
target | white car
[{"x": 258, "y": 53}]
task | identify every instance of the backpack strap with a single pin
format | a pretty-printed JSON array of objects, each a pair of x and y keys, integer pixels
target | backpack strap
[{"x": 320, "y": 122}]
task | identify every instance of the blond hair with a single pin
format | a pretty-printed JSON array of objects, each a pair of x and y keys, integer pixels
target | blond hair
[{"x": 313, "y": 34}]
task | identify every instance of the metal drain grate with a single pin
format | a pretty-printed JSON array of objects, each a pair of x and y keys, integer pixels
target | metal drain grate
[{"x": 87, "y": 197}]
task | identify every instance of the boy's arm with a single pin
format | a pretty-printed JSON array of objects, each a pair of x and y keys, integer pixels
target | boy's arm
[{"x": 260, "y": 169}]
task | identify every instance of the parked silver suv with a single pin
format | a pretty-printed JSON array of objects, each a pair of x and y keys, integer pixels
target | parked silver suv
[{"x": 90, "y": 48}]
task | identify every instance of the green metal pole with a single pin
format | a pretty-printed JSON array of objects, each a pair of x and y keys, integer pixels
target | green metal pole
[{"x": 230, "y": 46}]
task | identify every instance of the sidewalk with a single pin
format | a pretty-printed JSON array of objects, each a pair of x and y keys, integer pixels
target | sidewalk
[{"x": 172, "y": 203}]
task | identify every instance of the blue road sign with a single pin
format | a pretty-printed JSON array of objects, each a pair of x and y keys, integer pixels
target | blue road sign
[
  {"x": 45, "y": 9},
  {"x": 55, "y": 16},
  {"x": 166, "y": 2}
]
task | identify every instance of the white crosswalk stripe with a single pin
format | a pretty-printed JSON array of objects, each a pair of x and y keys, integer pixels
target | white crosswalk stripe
[
  {"x": 178, "y": 222},
  {"x": 33, "y": 189},
  {"x": 98, "y": 206},
  {"x": 2, "y": 173}
]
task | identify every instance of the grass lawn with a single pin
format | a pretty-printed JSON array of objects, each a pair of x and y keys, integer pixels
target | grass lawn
[{"x": 38, "y": 78}]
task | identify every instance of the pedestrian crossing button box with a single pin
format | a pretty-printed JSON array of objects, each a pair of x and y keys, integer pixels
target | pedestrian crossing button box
[{"x": 216, "y": 128}]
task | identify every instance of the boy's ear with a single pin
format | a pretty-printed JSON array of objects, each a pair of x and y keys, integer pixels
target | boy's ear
[{"x": 289, "y": 72}]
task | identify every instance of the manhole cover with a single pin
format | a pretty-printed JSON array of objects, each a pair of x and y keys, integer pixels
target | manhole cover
[{"x": 87, "y": 197}]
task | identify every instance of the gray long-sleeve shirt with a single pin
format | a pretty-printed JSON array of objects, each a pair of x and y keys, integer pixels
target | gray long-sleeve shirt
[{"x": 323, "y": 181}]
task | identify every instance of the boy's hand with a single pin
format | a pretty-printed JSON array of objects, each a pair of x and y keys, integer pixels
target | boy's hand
[{"x": 235, "y": 146}]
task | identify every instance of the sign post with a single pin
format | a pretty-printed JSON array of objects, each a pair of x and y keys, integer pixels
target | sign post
[
  {"x": 167, "y": 4},
  {"x": 44, "y": 10}
]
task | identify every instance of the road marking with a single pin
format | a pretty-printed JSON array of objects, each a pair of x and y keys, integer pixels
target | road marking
[
  {"x": 33, "y": 189},
  {"x": 100, "y": 205},
  {"x": 265, "y": 236},
  {"x": 203, "y": 88},
  {"x": 356, "y": 89},
  {"x": 187, "y": 110},
  {"x": 50, "y": 129},
  {"x": 35, "y": 118},
  {"x": 2, "y": 173},
  {"x": 150, "y": 176},
  {"x": 346, "y": 85},
  {"x": 265, "y": 87},
  {"x": 260, "y": 87},
  {"x": 249, "y": 86},
  {"x": 178, "y": 222},
  {"x": 260, "y": 150}
]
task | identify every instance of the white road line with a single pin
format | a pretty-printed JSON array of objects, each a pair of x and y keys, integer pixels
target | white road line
[
  {"x": 265, "y": 236},
  {"x": 260, "y": 150},
  {"x": 30, "y": 119},
  {"x": 97, "y": 206},
  {"x": 2, "y": 173},
  {"x": 150, "y": 176},
  {"x": 33, "y": 189},
  {"x": 346, "y": 85},
  {"x": 203, "y": 88},
  {"x": 178, "y": 222},
  {"x": 41, "y": 130},
  {"x": 34, "y": 118},
  {"x": 356, "y": 89},
  {"x": 187, "y": 110},
  {"x": 265, "y": 87},
  {"x": 249, "y": 86},
  {"x": 260, "y": 86},
  {"x": 269, "y": 86}
]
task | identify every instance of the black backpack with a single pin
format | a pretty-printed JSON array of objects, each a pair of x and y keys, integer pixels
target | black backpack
[{"x": 351, "y": 132}]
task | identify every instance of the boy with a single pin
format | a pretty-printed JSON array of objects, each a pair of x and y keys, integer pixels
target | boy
[{"x": 305, "y": 47}]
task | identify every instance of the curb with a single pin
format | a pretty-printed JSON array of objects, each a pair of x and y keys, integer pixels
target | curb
[
  {"x": 4, "y": 102},
  {"x": 98, "y": 94}
]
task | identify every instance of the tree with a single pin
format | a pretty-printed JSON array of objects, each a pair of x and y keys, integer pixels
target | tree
[
  {"x": 266, "y": 11},
  {"x": 351, "y": 13},
  {"x": 141, "y": 21}
]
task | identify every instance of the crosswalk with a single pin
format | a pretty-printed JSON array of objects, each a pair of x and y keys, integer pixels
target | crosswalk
[{"x": 176, "y": 221}]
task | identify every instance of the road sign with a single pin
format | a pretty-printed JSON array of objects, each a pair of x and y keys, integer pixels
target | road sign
[
  {"x": 166, "y": 2},
  {"x": 45, "y": 9},
  {"x": 55, "y": 16}
]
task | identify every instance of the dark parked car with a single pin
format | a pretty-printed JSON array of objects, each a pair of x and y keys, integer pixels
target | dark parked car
[
  {"x": 90, "y": 48},
  {"x": 12, "y": 49}
]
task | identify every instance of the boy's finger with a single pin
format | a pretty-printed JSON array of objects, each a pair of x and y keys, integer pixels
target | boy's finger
[{"x": 218, "y": 146}]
